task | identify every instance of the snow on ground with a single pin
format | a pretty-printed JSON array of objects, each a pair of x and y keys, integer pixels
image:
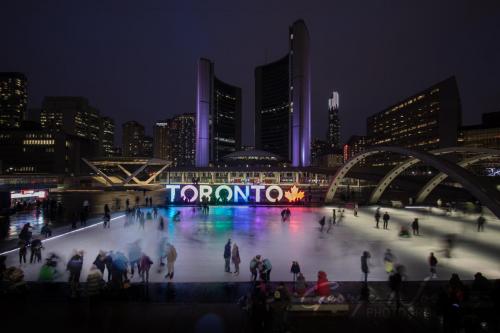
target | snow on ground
[{"x": 200, "y": 240}]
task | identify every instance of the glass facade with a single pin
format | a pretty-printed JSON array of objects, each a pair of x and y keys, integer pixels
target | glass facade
[{"x": 13, "y": 99}]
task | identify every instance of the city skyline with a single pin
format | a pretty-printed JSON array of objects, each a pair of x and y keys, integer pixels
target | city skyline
[{"x": 397, "y": 66}]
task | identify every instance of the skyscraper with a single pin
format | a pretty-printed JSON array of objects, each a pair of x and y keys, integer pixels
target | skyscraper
[
  {"x": 218, "y": 114},
  {"x": 283, "y": 101},
  {"x": 174, "y": 140},
  {"x": 147, "y": 146},
  {"x": 132, "y": 139},
  {"x": 333, "y": 135},
  {"x": 13, "y": 99},
  {"x": 106, "y": 136},
  {"x": 162, "y": 145}
]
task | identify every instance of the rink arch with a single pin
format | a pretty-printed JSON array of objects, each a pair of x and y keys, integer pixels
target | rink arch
[{"x": 483, "y": 191}]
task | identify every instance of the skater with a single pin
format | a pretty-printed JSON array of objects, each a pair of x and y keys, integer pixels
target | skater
[
  {"x": 386, "y": 218},
  {"x": 432, "y": 264},
  {"x": 127, "y": 204},
  {"x": 254, "y": 264},
  {"x": 83, "y": 218},
  {"x": 480, "y": 223},
  {"x": 414, "y": 227},
  {"x": 171, "y": 258},
  {"x": 227, "y": 256},
  {"x": 177, "y": 216},
  {"x": 330, "y": 225},
  {"x": 235, "y": 258},
  {"x": 155, "y": 213},
  {"x": 100, "y": 261},
  {"x": 22, "y": 251},
  {"x": 25, "y": 233},
  {"x": 134, "y": 256},
  {"x": 144, "y": 267},
  {"x": 388, "y": 261},
  {"x": 334, "y": 216},
  {"x": 161, "y": 224},
  {"x": 322, "y": 223},
  {"x": 301, "y": 285},
  {"x": 74, "y": 267},
  {"x": 266, "y": 270},
  {"x": 295, "y": 270},
  {"x": 364, "y": 265},
  {"x": 36, "y": 250},
  {"x": 46, "y": 231},
  {"x": 356, "y": 209},
  {"x": 142, "y": 221},
  {"x": 161, "y": 252},
  {"x": 106, "y": 220},
  {"x": 108, "y": 262},
  {"x": 377, "y": 217}
]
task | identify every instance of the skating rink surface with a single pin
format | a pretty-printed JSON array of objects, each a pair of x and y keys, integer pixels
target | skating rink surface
[{"x": 200, "y": 239}]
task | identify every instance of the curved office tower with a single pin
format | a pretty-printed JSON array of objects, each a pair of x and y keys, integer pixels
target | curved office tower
[
  {"x": 218, "y": 116},
  {"x": 283, "y": 101}
]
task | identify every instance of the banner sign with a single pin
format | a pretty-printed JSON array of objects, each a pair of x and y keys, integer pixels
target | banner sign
[{"x": 234, "y": 193}]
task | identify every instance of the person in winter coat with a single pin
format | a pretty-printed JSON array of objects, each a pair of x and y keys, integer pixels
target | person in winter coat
[
  {"x": 432, "y": 264},
  {"x": 74, "y": 267},
  {"x": 254, "y": 264},
  {"x": 144, "y": 267},
  {"x": 295, "y": 269},
  {"x": 386, "y": 218},
  {"x": 99, "y": 262},
  {"x": 414, "y": 226},
  {"x": 36, "y": 250},
  {"x": 301, "y": 284},
  {"x": 266, "y": 270},
  {"x": 25, "y": 233},
  {"x": 322, "y": 285},
  {"x": 95, "y": 283},
  {"x": 227, "y": 256},
  {"x": 46, "y": 231},
  {"x": 235, "y": 258},
  {"x": 134, "y": 256},
  {"x": 377, "y": 217},
  {"x": 388, "y": 261},
  {"x": 22, "y": 251},
  {"x": 364, "y": 264},
  {"x": 108, "y": 262},
  {"x": 171, "y": 258}
]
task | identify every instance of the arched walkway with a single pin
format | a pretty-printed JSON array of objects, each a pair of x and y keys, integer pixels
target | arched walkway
[{"x": 483, "y": 191}]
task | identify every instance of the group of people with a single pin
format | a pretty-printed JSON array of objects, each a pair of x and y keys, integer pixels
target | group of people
[
  {"x": 386, "y": 217},
  {"x": 232, "y": 255},
  {"x": 261, "y": 268},
  {"x": 285, "y": 214}
]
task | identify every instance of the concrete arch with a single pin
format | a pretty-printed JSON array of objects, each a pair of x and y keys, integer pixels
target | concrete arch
[
  {"x": 396, "y": 171},
  {"x": 440, "y": 177},
  {"x": 483, "y": 191}
]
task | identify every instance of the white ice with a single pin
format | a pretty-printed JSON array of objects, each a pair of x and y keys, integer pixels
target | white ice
[{"x": 200, "y": 240}]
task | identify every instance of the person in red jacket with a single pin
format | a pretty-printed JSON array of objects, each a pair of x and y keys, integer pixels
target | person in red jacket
[{"x": 322, "y": 286}]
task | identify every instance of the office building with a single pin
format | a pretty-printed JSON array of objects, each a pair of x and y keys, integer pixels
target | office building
[
  {"x": 427, "y": 120},
  {"x": 318, "y": 149},
  {"x": 283, "y": 101},
  {"x": 218, "y": 114},
  {"x": 355, "y": 145},
  {"x": 484, "y": 135},
  {"x": 13, "y": 99},
  {"x": 106, "y": 137},
  {"x": 175, "y": 140},
  {"x": 73, "y": 116},
  {"x": 30, "y": 149},
  {"x": 132, "y": 139},
  {"x": 147, "y": 146},
  {"x": 333, "y": 134}
]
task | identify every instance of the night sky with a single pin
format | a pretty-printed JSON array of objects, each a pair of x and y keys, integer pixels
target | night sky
[{"x": 136, "y": 60}]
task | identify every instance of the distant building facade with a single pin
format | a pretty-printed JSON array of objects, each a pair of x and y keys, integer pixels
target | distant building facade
[
  {"x": 13, "y": 99},
  {"x": 283, "y": 101},
  {"x": 427, "y": 120},
  {"x": 106, "y": 136},
  {"x": 355, "y": 145},
  {"x": 31, "y": 149},
  {"x": 333, "y": 134},
  {"x": 218, "y": 115},
  {"x": 73, "y": 116},
  {"x": 175, "y": 140},
  {"x": 484, "y": 135},
  {"x": 132, "y": 139}
]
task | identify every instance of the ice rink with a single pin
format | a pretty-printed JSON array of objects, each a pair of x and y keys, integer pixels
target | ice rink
[{"x": 200, "y": 239}]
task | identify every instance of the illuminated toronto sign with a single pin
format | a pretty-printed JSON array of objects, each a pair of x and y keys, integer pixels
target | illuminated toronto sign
[{"x": 233, "y": 193}]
